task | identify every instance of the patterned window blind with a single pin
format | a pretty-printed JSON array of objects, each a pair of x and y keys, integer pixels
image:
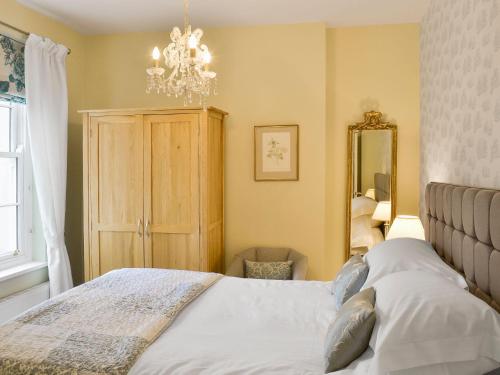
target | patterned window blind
[{"x": 11, "y": 69}]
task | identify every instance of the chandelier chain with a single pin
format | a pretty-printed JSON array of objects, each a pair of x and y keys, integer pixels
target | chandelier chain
[{"x": 186, "y": 15}]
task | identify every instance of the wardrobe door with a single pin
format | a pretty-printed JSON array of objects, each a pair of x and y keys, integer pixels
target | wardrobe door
[
  {"x": 171, "y": 183},
  {"x": 116, "y": 193}
]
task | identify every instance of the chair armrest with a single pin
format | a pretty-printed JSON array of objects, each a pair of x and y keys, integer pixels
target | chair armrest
[
  {"x": 300, "y": 269},
  {"x": 237, "y": 267}
]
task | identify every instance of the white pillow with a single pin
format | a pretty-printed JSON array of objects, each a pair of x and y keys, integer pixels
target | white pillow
[
  {"x": 424, "y": 319},
  {"x": 403, "y": 254},
  {"x": 362, "y": 206},
  {"x": 478, "y": 366},
  {"x": 362, "y": 233}
]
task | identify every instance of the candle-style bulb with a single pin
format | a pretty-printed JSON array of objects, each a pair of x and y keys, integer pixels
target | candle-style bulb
[
  {"x": 192, "y": 41},
  {"x": 207, "y": 57},
  {"x": 156, "y": 54}
]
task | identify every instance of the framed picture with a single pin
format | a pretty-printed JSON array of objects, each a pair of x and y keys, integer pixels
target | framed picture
[{"x": 276, "y": 153}]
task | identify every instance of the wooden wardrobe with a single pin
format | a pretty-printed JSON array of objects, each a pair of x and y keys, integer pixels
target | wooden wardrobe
[{"x": 153, "y": 189}]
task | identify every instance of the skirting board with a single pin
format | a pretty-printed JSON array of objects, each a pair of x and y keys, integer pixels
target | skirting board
[{"x": 16, "y": 304}]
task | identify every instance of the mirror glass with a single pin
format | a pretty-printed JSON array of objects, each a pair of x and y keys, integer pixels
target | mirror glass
[{"x": 372, "y": 195}]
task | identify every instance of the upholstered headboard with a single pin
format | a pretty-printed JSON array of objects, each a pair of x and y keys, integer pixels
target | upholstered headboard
[
  {"x": 382, "y": 187},
  {"x": 463, "y": 225}
]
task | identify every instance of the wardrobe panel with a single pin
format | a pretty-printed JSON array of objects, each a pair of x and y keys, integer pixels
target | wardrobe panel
[
  {"x": 215, "y": 246},
  {"x": 120, "y": 170},
  {"x": 118, "y": 250},
  {"x": 215, "y": 194},
  {"x": 116, "y": 186},
  {"x": 215, "y": 170},
  {"x": 172, "y": 186},
  {"x": 176, "y": 251}
]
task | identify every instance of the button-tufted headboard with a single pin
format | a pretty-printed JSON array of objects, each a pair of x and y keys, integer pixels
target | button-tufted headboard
[{"x": 463, "y": 225}]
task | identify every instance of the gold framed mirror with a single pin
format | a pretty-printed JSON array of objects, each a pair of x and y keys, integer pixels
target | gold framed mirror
[{"x": 371, "y": 182}]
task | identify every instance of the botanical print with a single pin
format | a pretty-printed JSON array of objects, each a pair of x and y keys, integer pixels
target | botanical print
[
  {"x": 11, "y": 68},
  {"x": 276, "y": 152}
]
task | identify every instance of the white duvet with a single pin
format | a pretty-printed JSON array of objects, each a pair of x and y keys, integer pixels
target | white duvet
[
  {"x": 262, "y": 327},
  {"x": 243, "y": 327}
]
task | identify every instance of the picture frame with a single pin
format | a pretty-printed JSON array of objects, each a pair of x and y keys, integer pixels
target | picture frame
[{"x": 276, "y": 153}]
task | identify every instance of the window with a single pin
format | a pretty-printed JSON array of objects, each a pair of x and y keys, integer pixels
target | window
[{"x": 15, "y": 187}]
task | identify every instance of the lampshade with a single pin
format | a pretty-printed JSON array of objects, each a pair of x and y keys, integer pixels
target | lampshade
[
  {"x": 382, "y": 211},
  {"x": 370, "y": 193},
  {"x": 406, "y": 226}
]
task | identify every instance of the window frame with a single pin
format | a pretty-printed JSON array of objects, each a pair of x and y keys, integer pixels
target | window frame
[{"x": 24, "y": 202}]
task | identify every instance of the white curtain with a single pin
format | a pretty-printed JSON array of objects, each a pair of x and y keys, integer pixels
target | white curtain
[{"x": 47, "y": 107}]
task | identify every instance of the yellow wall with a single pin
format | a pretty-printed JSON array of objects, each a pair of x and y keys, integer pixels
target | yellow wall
[
  {"x": 26, "y": 19},
  {"x": 370, "y": 68},
  {"x": 261, "y": 82},
  {"x": 306, "y": 74}
]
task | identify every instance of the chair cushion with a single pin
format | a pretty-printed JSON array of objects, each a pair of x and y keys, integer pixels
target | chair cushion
[
  {"x": 349, "y": 280},
  {"x": 349, "y": 335},
  {"x": 268, "y": 270}
]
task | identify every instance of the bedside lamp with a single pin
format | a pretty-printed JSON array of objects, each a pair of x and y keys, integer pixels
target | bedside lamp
[
  {"x": 370, "y": 193},
  {"x": 406, "y": 226},
  {"x": 383, "y": 213}
]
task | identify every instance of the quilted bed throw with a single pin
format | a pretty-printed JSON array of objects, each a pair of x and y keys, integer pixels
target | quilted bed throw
[{"x": 100, "y": 327}]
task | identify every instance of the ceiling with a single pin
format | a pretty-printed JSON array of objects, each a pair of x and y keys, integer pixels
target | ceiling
[{"x": 118, "y": 16}]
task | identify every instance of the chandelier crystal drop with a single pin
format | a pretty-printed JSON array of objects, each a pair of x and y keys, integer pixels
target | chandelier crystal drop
[{"x": 188, "y": 61}]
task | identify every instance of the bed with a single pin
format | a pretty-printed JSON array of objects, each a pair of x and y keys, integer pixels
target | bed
[
  {"x": 243, "y": 326},
  {"x": 222, "y": 331}
]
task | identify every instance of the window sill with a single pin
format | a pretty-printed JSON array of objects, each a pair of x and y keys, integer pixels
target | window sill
[{"x": 20, "y": 270}]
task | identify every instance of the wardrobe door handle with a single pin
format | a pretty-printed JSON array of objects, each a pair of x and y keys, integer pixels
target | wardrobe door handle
[
  {"x": 139, "y": 228},
  {"x": 148, "y": 233}
]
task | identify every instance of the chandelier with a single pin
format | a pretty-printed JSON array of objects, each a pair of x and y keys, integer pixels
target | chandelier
[{"x": 189, "y": 64}]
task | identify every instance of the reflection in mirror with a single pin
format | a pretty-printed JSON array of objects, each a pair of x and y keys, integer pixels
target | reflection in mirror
[{"x": 371, "y": 183}]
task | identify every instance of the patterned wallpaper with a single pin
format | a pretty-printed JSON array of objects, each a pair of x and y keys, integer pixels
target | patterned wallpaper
[{"x": 460, "y": 93}]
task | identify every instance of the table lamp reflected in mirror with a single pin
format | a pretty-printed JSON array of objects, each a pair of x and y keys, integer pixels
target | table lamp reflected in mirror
[
  {"x": 370, "y": 193},
  {"x": 383, "y": 213}
]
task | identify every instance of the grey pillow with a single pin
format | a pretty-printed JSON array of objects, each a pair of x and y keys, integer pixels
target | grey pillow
[
  {"x": 349, "y": 280},
  {"x": 349, "y": 335},
  {"x": 269, "y": 270}
]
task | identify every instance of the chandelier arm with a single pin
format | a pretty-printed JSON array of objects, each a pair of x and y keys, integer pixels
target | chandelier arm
[{"x": 188, "y": 62}]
